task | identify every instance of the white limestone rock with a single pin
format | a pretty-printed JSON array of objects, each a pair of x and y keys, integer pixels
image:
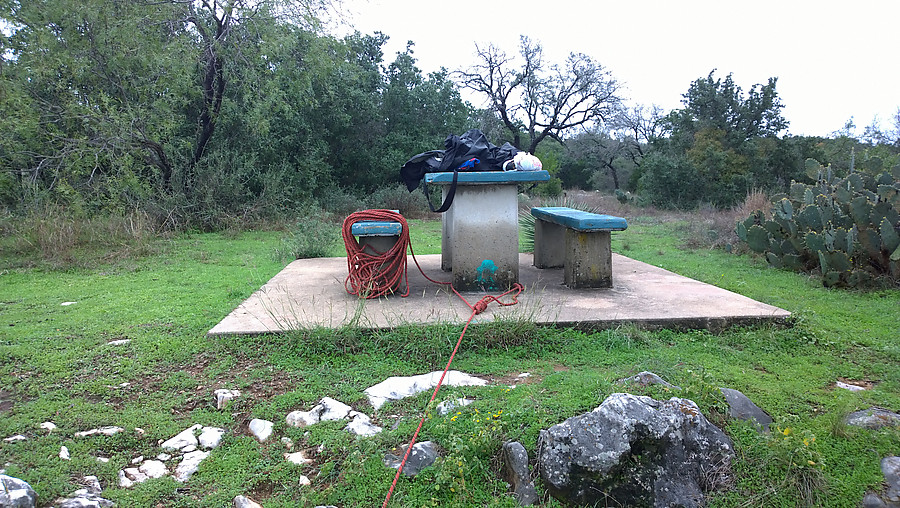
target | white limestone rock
[
  {"x": 120, "y": 342},
  {"x": 189, "y": 465},
  {"x": 447, "y": 406},
  {"x": 333, "y": 409},
  {"x": 211, "y": 437},
  {"x": 297, "y": 458},
  {"x": 304, "y": 418},
  {"x": 182, "y": 439},
  {"x": 64, "y": 453},
  {"x": 304, "y": 481},
  {"x": 13, "y": 439},
  {"x": 245, "y": 502},
  {"x": 109, "y": 430},
  {"x": 48, "y": 426},
  {"x": 16, "y": 493},
  {"x": 261, "y": 429},
  {"x": 361, "y": 425},
  {"x": 224, "y": 395},
  {"x": 396, "y": 388},
  {"x": 153, "y": 469},
  {"x": 134, "y": 474}
]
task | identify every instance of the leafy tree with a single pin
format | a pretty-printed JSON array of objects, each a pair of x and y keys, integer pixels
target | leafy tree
[
  {"x": 542, "y": 100},
  {"x": 723, "y": 142}
]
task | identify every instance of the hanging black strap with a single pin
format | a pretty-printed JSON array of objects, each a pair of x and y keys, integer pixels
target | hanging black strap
[{"x": 450, "y": 193}]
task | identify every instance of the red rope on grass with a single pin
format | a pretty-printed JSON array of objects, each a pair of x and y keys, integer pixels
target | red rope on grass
[
  {"x": 478, "y": 308},
  {"x": 375, "y": 275}
]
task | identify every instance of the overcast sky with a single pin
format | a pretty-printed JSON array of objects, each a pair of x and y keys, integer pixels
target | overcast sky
[{"x": 833, "y": 60}]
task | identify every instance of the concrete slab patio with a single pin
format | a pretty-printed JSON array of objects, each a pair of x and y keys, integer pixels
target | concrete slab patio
[{"x": 310, "y": 293}]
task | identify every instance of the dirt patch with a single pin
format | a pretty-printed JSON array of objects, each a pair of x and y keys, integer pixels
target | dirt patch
[
  {"x": 6, "y": 402},
  {"x": 514, "y": 379}
]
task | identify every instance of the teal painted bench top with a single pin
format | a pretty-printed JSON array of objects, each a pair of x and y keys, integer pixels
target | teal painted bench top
[
  {"x": 488, "y": 177},
  {"x": 579, "y": 220},
  {"x": 376, "y": 228}
]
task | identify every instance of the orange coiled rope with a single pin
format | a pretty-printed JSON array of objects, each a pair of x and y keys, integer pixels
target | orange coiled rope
[{"x": 375, "y": 274}]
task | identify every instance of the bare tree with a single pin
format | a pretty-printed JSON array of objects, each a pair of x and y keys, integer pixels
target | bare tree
[{"x": 542, "y": 101}]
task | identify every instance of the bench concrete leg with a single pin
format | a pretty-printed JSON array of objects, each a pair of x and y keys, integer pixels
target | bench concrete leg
[
  {"x": 549, "y": 244},
  {"x": 375, "y": 245},
  {"x": 588, "y": 259},
  {"x": 482, "y": 232}
]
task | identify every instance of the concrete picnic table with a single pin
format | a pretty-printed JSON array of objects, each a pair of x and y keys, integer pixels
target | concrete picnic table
[{"x": 480, "y": 231}]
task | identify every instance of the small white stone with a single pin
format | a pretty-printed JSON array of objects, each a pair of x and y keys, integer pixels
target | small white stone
[
  {"x": 17, "y": 437},
  {"x": 106, "y": 431},
  {"x": 138, "y": 459},
  {"x": 287, "y": 442},
  {"x": 134, "y": 474},
  {"x": 261, "y": 429},
  {"x": 66, "y": 304},
  {"x": 189, "y": 465},
  {"x": 297, "y": 458},
  {"x": 449, "y": 405},
  {"x": 64, "y": 453},
  {"x": 188, "y": 449},
  {"x": 334, "y": 409},
  {"x": 848, "y": 386},
  {"x": 245, "y": 502},
  {"x": 120, "y": 342},
  {"x": 163, "y": 457},
  {"x": 93, "y": 484},
  {"x": 303, "y": 481},
  {"x": 103, "y": 460},
  {"x": 223, "y": 395},
  {"x": 304, "y": 418},
  {"x": 361, "y": 425},
  {"x": 153, "y": 469},
  {"x": 184, "y": 438},
  {"x": 211, "y": 437},
  {"x": 139, "y": 431},
  {"x": 48, "y": 426},
  {"x": 124, "y": 481}
]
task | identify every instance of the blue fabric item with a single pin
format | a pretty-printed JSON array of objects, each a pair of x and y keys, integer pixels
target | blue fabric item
[
  {"x": 579, "y": 220},
  {"x": 376, "y": 228}
]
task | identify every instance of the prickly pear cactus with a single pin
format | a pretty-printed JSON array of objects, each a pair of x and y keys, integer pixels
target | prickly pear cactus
[{"x": 847, "y": 229}]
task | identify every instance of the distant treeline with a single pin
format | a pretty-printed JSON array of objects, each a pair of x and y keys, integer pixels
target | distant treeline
[{"x": 199, "y": 110}]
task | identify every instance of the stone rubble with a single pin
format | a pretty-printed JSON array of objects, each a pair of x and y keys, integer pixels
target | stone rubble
[
  {"x": 64, "y": 453},
  {"x": 329, "y": 409},
  {"x": 515, "y": 471}
]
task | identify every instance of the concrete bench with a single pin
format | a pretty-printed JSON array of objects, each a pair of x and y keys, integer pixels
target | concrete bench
[{"x": 577, "y": 241}]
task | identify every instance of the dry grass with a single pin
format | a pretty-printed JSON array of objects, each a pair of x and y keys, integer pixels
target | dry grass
[{"x": 53, "y": 236}]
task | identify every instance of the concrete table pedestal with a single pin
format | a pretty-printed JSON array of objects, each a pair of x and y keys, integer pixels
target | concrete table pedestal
[{"x": 480, "y": 231}]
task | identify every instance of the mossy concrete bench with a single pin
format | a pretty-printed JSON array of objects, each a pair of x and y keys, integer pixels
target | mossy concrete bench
[{"x": 578, "y": 242}]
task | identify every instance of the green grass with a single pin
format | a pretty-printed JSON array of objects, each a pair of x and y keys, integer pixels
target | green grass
[{"x": 55, "y": 365}]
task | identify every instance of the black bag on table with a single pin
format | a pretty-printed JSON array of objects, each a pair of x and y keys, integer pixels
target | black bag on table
[{"x": 458, "y": 151}]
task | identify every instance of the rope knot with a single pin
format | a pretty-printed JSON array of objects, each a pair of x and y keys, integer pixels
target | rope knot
[{"x": 481, "y": 305}]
